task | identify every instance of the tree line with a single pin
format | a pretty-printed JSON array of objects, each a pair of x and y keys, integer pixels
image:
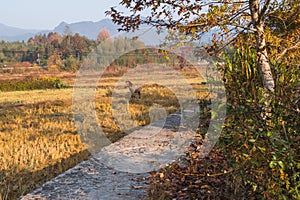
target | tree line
[{"x": 67, "y": 52}]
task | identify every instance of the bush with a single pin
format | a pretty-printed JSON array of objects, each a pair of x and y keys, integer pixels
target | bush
[
  {"x": 266, "y": 153},
  {"x": 32, "y": 84},
  {"x": 262, "y": 158}
]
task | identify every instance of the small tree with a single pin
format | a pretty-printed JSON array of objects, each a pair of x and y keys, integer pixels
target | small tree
[{"x": 103, "y": 35}]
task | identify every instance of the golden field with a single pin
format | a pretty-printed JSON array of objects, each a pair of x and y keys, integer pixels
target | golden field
[{"x": 38, "y": 137}]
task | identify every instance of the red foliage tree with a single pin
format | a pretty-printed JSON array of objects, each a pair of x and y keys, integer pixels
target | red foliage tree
[{"x": 103, "y": 35}]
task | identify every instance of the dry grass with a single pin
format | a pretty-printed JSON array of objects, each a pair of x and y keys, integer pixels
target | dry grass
[
  {"x": 38, "y": 138},
  {"x": 37, "y": 135}
]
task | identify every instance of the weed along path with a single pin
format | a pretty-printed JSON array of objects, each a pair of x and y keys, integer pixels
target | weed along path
[{"x": 121, "y": 170}]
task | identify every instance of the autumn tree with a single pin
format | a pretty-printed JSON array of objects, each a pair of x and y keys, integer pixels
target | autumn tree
[
  {"x": 103, "y": 35},
  {"x": 284, "y": 23},
  {"x": 228, "y": 18},
  {"x": 54, "y": 38}
]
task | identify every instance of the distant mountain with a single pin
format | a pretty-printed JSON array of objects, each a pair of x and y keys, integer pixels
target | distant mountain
[
  {"x": 9, "y": 33},
  {"x": 88, "y": 28}
]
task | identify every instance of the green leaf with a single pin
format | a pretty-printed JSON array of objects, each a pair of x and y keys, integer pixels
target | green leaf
[
  {"x": 262, "y": 100},
  {"x": 246, "y": 155},
  {"x": 213, "y": 114},
  {"x": 221, "y": 105},
  {"x": 252, "y": 140},
  {"x": 269, "y": 133},
  {"x": 281, "y": 164},
  {"x": 273, "y": 164}
]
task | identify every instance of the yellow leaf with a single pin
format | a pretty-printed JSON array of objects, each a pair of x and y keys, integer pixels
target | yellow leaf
[
  {"x": 193, "y": 30},
  {"x": 254, "y": 187},
  {"x": 287, "y": 183},
  {"x": 262, "y": 149},
  {"x": 161, "y": 175}
]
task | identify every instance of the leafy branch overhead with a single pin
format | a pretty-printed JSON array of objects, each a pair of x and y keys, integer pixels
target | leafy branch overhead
[{"x": 228, "y": 19}]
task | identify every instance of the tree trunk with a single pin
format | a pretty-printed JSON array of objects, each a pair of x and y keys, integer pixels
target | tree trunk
[{"x": 262, "y": 59}]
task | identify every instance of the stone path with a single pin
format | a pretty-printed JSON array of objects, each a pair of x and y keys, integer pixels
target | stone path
[
  {"x": 120, "y": 170},
  {"x": 92, "y": 180}
]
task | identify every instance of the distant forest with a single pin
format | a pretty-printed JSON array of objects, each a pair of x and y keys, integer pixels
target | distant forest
[{"x": 66, "y": 52}]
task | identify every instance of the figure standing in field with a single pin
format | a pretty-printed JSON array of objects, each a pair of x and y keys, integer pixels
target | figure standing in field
[{"x": 135, "y": 92}]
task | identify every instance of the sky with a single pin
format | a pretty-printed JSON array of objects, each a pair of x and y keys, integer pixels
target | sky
[{"x": 42, "y": 14}]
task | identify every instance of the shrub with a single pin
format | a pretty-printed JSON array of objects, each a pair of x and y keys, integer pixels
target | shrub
[
  {"x": 32, "y": 84},
  {"x": 265, "y": 152},
  {"x": 262, "y": 158}
]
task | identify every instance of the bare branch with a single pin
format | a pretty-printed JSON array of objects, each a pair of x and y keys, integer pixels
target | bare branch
[
  {"x": 222, "y": 2},
  {"x": 296, "y": 46},
  {"x": 230, "y": 41},
  {"x": 263, "y": 11},
  {"x": 242, "y": 10}
]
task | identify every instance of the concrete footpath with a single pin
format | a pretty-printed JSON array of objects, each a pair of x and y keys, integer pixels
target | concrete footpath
[{"x": 120, "y": 170}]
